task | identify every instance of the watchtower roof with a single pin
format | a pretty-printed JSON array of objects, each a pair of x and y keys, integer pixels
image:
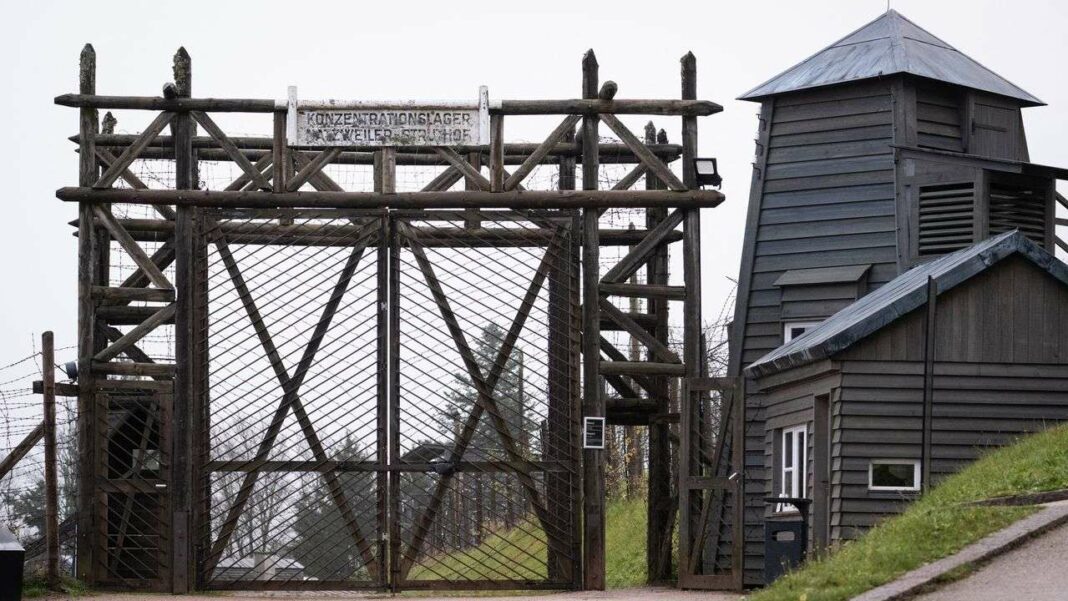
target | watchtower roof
[{"x": 889, "y": 45}]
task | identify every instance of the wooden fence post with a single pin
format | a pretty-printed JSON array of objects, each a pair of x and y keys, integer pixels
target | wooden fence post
[
  {"x": 181, "y": 426},
  {"x": 661, "y": 510},
  {"x": 88, "y": 172},
  {"x": 691, "y": 423},
  {"x": 48, "y": 377},
  {"x": 592, "y": 401}
]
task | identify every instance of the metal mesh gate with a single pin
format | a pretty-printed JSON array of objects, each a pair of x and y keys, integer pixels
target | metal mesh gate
[
  {"x": 293, "y": 494},
  {"x": 391, "y": 400},
  {"x": 485, "y": 488}
]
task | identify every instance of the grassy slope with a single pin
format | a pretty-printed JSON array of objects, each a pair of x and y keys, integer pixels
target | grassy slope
[
  {"x": 520, "y": 552},
  {"x": 935, "y": 526}
]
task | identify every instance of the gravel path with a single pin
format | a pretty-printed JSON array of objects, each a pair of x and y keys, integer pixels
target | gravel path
[{"x": 1034, "y": 572}]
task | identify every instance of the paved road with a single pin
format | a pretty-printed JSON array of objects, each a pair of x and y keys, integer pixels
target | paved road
[
  {"x": 636, "y": 594},
  {"x": 1037, "y": 571}
]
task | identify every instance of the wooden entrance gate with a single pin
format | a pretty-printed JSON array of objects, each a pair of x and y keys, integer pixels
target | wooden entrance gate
[
  {"x": 363, "y": 362},
  {"x": 383, "y": 406}
]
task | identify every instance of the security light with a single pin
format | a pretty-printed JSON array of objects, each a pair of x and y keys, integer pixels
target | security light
[{"x": 707, "y": 172}]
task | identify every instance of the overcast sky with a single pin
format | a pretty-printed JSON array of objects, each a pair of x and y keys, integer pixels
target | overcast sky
[{"x": 443, "y": 50}]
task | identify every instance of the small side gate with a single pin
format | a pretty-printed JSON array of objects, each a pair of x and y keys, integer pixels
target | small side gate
[{"x": 392, "y": 401}]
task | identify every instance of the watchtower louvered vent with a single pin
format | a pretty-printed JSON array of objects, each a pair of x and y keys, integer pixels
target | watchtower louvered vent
[
  {"x": 1019, "y": 207},
  {"x": 947, "y": 218}
]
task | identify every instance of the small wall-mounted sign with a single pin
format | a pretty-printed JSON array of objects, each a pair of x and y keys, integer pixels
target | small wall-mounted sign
[
  {"x": 593, "y": 433},
  {"x": 328, "y": 123}
]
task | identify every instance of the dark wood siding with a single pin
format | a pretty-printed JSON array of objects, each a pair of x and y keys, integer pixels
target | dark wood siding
[
  {"x": 939, "y": 116},
  {"x": 1000, "y": 372},
  {"x": 823, "y": 196},
  {"x": 996, "y": 128},
  {"x": 827, "y": 197}
]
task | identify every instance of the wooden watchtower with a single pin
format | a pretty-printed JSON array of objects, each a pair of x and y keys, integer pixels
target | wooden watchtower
[{"x": 881, "y": 152}]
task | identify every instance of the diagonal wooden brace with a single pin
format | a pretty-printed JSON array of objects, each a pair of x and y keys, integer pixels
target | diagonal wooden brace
[
  {"x": 155, "y": 275},
  {"x": 636, "y": 330},
  {"x": 231, "y": 150},
  {"x": 313, "y": 167},
  {"x": 134, "y": 150},
  {"x": 646, "y": 156},
  {"x": 543, "y": 149},
  {"x": 640, "y": 252},
  {"x": 137, "y": 333},
  {"x": 461, "y": 164}
]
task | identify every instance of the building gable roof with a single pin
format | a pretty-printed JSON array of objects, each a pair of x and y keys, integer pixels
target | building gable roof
[
  {"x": 900, "y": 296},
  {"x": 889, "y": 45}
]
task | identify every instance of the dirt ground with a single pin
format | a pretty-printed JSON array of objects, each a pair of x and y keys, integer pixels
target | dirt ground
[{"x": 635, "y": 594}]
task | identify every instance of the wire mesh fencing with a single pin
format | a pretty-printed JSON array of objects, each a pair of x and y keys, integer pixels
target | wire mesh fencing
[{"x": 22, "y": 487}]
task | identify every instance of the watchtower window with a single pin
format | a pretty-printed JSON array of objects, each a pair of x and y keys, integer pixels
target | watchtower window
[
  {"x": 946, "y": 218},
  {"x": 1019, "y": 205}
]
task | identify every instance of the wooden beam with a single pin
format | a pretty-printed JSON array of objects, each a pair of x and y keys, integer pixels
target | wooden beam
[
  {"x": 133, "y": 150},
  {"x": 444, "y": 180},
  {"x": 137, "y": 333},
  {"x": 640, "y": 333},
  {"x": 125, "y": 295},
  {"x": 460, "y": 164},
  {"x": 153, "y": 370},
  {"x": 312, "y": 168},
  {"x": 543, "y": 149},
  {"x": 631, "y": 177},
  {"x": 650, "y": 160},
  {"x": 530, "y": 199},
  {"x": 699, "y": 108},
  {"x": 132, "y": 248},
  {"x": 643, "y": 290},
  {"x": 642, "y": 368},
  {"x": 21, "y": 449},
  {"x": 231, "y": 150},
  {"x": 633, "y": 260},
  {"x": 163, "y": 257}
]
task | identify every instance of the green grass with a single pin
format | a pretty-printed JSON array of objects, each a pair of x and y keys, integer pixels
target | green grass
[
  {"x": 34, "y": 586},
  {"x": 938, "y": 524},
  {"x": 625, "y": 543},
  {"x": 519, "y": 553}
]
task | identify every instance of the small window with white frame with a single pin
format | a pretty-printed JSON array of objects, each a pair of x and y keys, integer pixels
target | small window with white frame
[
  {"x": 894, "y": 475},
  {"x": 794, "y": 329},
  {"x": 794, "y": 462}
]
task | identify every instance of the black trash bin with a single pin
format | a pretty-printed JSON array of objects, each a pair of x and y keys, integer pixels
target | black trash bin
[
  {"x": 12, "y": 558},
  {"x": 785, "y": 538}
]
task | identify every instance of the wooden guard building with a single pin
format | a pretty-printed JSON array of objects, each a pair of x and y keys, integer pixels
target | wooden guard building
[{"x": 899, "y": 307}]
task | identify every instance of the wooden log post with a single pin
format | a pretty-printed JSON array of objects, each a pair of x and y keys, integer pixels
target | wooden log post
[
  {"x": 592, "y": 400},
  {"x": 690, "y": 424},
  {"x": 88, "y": 172},
  {"x": 181, "y": 428},
  {"x": 48, "y": 381},
  {"x": 660, "y": 509},
  {"x": 555, "y": 438}
]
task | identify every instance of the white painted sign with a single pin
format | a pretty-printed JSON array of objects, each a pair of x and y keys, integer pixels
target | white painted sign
[{"x": 362, "y": 123}]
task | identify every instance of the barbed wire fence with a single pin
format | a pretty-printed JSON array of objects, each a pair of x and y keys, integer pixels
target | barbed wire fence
[{"x": 22, "y": 487}]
